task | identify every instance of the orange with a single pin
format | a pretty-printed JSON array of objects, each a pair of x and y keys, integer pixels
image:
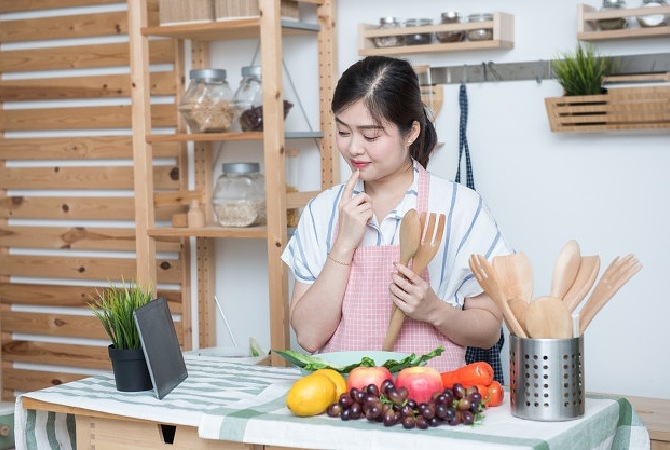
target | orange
[
  {"x": 337, "y": 378},
  {"x": 311, "y": 395}
]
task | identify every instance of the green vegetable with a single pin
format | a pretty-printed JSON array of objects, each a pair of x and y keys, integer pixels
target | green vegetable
[{"x": 309, "y": 362}]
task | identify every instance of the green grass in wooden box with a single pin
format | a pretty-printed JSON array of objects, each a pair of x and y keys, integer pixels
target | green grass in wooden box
[
  {"x": 234, "y": 9},
  {"x": 622, "y": 108}
]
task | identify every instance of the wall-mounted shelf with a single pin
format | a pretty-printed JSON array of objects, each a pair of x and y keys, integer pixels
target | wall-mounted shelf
[
  {"x": 251, "y": 136},
  {"x": 226, "y": 30},
  {"x": 588, "y": 29},
  {"x": 502, "y": 26}
]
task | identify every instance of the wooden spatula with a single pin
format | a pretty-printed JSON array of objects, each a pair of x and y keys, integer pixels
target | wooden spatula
[
  {"x": 586, "y": 276},
  {"x": 548, "y": 318},
  {"x": 515, "y": 275},
  {"x": 565, "y": 269},
  {"x": 430, "y": 243}
]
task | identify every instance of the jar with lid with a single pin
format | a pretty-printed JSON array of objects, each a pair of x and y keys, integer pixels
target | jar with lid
[
  {"x": 389, "y": 41},
  {"x": 614, "y": 23},
  {"x": 239, "y": 196},
  {"x": 448, "y": 18},
  {"x": 418, "y": 38},
  {"x": 206, "y": 104},
  {"x": 654, "y": 20},
  {"x": 480, "y": 34}
]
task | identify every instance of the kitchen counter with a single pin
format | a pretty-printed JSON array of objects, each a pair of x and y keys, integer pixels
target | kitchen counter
[{"x": 232, "y": 406}]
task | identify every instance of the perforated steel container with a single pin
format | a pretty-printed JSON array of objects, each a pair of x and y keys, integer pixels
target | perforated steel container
[{"x": 547, "y": 378}]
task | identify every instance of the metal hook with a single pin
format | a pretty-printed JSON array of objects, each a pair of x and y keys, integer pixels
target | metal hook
[
  {"x": 492, "y": 69},
  {"x": 464, "y": 79},
  {"x": 485, "y": 74},
  {"x": 539, "y": 73}
]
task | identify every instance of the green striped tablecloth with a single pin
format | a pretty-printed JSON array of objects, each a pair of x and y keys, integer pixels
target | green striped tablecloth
[{"x": 246, "y": 404}]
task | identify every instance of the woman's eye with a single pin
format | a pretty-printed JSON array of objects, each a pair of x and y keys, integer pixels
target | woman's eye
[
  {"x": 343, "y": 133},
  {"x": 370, "y": 138}
]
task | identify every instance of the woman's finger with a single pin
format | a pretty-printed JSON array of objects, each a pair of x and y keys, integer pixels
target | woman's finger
[{"x": 349, "y": 186}]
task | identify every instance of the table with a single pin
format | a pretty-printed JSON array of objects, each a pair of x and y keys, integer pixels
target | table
[{"x": 233, "y": 406}]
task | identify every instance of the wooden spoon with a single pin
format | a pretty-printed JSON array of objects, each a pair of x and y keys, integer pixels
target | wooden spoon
[
  {"x": 548, "y": 318},
  {"x": 410, "y": 241},
  {"x": 565, "y": 269},
  {"x": 519, "y": 309},
  {"x": 586, "y": 276},
  {"x": 515, "y": 275}
]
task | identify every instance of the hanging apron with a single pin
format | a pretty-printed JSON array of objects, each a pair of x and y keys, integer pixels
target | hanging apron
[{"x": 366, "y": 307}]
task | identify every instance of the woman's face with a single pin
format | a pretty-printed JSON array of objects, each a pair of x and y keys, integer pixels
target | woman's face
[{"x": 377, "y": 150}]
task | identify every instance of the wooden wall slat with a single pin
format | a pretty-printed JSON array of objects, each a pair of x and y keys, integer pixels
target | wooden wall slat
[
  {"x": 13, "y": 6},
  {"x": 97, "y": 117},
  {"x": 105, "y": 86},
  {"x": 59, "y": 295},
  {"x": 51, "y": 353},
  {"x": 111, "y": 23},
  {"x": 32, "y": 380},
  {"x": 57, "y": 325},
  {"x": 79, "y": 268},
  {"x": 77, "y": 238},
  {"x": 79, "y": 148},
  {"x": 81, "y": 56},
  {"x": 77, "y": 178}
]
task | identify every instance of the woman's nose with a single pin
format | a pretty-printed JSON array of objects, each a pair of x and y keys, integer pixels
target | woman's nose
[{"x": 356, "y": 145}]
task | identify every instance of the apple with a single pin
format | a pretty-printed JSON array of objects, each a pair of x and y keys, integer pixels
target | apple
[
  {"x": 421, "y": 382},
  {"x": 360, "y": 377}
]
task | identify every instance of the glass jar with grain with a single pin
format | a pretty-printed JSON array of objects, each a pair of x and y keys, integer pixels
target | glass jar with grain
[{"x": 206, "y": 104}]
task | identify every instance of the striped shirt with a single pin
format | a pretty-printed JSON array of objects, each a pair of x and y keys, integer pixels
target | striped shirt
[{"x": 470, "y": 229}]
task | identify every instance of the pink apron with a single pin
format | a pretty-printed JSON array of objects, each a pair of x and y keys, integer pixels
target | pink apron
[{"x": 366, "y": 308}]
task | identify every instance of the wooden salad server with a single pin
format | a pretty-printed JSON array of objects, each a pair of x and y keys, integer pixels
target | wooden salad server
[
  {"x": 430, "y": 243},
  {"x": 515, "y": 274}
]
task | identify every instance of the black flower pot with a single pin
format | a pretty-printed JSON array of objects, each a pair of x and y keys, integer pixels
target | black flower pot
[{"x": 130, "y": 370}]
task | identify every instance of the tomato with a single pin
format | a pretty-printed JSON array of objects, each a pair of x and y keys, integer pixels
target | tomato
[{"x": 496, "y": 394}]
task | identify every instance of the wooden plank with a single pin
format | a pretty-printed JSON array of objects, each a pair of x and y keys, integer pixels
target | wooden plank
[
  {"x": 97, "y": 117},
  {"x": 81, "y": 268},
  {"x": 78, "y": 178},
  {"x": 68, "y": 296},
  {"x": 9, "y": 6},
  {"x": 104, "y": 86},
  {"x": 58, "y": 325},
  {"x": 77, "y": 238},
  {"x": 80, "y": 208},
  {"x": 25, "y": 380},
  {"x": 75, "y": 355},
  {"x": 79, "y": 148},
  {"x": 112, "y": 23},
  {"x": 81, "y": 56}
]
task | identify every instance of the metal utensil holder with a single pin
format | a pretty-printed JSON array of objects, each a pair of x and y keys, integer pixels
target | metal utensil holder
[{"x": 547, "y": 378}]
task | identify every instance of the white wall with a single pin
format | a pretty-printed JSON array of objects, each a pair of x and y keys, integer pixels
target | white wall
[{"x": 602, "y": 190}]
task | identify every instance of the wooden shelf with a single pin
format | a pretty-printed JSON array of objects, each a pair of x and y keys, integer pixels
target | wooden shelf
[
  {"x": 502, "y": 26},
  {"x": 588, "y": 17},
  {"x": 254, "y": 136},
  {"x": 226, "y": 30},
  {"x": 211, "y": 230}
]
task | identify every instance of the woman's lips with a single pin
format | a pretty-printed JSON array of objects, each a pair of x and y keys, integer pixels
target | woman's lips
[{"x": 358, "y": 164}]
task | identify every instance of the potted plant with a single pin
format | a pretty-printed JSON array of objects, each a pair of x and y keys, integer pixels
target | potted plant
[
  {"x": 114, "y": 306},
  {"x": 581, "y": 72}
]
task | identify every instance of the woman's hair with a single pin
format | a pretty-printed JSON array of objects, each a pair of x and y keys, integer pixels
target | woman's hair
[{"x": 390, "y": 89}]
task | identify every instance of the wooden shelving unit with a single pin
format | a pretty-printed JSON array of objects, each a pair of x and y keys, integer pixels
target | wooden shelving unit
[
  {"x": 270, "y": 29},
  {"x": 502, "y": 26},
  {"x": 588, "y": 17}
]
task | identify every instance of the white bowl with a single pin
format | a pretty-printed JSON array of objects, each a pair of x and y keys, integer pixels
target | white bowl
[{"x": 234, "y": 355}]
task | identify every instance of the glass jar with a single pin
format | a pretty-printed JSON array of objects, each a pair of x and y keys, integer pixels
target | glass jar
[
  {"x": 446, "y": 18},
  {"x": 239, "y": 196},
  {"x": 615, "y": 23},
  {"x": 206, "y": 104},
  {"x": 388, "y": 41},
  {"x": 248, "y": 100},
  {"x": 418, "y": 38},
  {"x": 480, "y": 34},
  {"x": 654, "y": 20}
]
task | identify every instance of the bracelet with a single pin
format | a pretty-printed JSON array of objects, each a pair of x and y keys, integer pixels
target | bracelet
[{"x": 342, "y": 263}]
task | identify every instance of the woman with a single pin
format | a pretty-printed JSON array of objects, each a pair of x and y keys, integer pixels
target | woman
[{"x": 345, "y": 250}]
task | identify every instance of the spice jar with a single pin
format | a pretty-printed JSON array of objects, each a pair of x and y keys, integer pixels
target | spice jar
[
  {"x": 615, "y": 23},
  {"x": 239, "y": 196},
  {"x": 653, "y": 20},
  {"x": 418, "y": 38},
  {"x": 206, "y": 105},
  {"x": 448, "y": 18},
  {"x": 388, "y": 41},
  {"x": 480, "y": 34}
]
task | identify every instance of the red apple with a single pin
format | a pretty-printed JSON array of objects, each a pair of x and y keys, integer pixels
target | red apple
[
  {"x": 361, "y": 377},
  {"x": 421, "y": 382}
]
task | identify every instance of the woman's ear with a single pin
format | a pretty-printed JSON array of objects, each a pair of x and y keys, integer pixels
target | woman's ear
[{"x": 414, "y": 132}]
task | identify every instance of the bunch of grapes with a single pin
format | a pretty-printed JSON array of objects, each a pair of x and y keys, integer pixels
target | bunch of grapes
[{"x": 453, "y": 406}]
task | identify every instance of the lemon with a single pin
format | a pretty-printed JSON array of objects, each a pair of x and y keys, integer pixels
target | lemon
[
  {"x": 337, "y": 378},
  {"x": 310, "y": 395}
]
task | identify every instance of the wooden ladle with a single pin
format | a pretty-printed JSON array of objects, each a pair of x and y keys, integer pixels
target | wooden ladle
[{"x": 410, "y": 239}]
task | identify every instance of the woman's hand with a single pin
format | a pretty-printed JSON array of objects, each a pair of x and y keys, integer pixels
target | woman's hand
[
  {"x": 413, "y": 295},
  {"x": 354, "y": 213}
]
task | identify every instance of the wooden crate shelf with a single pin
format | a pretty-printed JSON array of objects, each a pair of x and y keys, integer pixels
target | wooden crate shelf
[
  {"x": 588, "y": 30},
  {"x": 502, "y": 26},
  {"x": 622, "y": 108}
]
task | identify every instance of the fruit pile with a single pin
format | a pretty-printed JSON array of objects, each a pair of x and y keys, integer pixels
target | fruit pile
[{"x": 392, "y": 405}]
